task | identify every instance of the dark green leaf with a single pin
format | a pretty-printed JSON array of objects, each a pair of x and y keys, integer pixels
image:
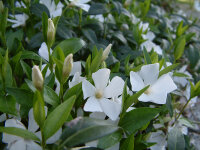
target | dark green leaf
[
  {"x": 82, "y": 130},
  {"x": 19, "y": 132},
  {"x": 57, "y": 117},
  {"x": 137, "y": 118},
  {"x": 50, "y": 96},
  {"x": 168, "y": 69},
  {"x": 38, "y": 9},
  {"x": 8, "y": 105},
  {"x": 176, "y": 140}
]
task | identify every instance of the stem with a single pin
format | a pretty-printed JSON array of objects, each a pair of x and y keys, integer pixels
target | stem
[
  {"x": 43, "y": 140},
  {"x": 61, "y": 92},
  {"x": 182, "y": 110},
  {"x": 50, "y": 60}
]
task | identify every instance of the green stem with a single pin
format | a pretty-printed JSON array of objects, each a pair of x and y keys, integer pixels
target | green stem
[
  {"x": 61, "y": 92},
  {"x": 3, "y": 39},
  {"x": 50, "y": 60},
  {"x": 182, "y": 110},
  {"x": 43, "y": 140}
]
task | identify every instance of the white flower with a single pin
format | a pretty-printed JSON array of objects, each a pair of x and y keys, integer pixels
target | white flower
[
  {"x": 81, "y": 4},
  {"x": 43, "y": 51},
  {"x": 19, "y": 20},
  {"x": 144, "y": 26},
  {"x": 159, "y": 138},
  {"x": 100, "y": 17},
  {"x": 149, "y": 36},
  {"x": 20, "y": 4},
  {"x": 76, "y": 80},
  {"x": 15, "y": 142},
  {"x": 134, "y": 19},
  {"x": 54, "y": 10},
  {"x": 183, "y": 80},
  {"x": 197, "y": 5},
  {"x": 159, "y": 87},
  {"x": 99, "y": 94},
  {"x": 149, "y": 45}
]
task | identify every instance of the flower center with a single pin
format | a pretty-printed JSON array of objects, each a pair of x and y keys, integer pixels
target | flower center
[
  {"x": 99, "y": 94},
  {"x": 148, "y": 91}
]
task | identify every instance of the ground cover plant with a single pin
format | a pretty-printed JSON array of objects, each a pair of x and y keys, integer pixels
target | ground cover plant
[{"x": 97, "y": 74}]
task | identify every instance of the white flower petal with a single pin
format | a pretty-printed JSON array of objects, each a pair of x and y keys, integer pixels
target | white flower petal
[
  {"x": 136, "y": 81},
  {"x": 76, "y": 80},
  {"x": 88, "y": 89},
  {"x": 8, "y": 138},
  {"x": 18, "y": 145},
  {"x": 54, "y": 137},
  {"x": 164, "y": 84},
  {"x": 115, "y": 88},
  {"x": 110, "y": 108},
  {"x": 92, "y": 105},
  {"x": 3, "y": 117},
  {"x": 156, "y": 97},
  {"x": 43, "y": 51},
  {"x": 57, "y": 86},
  {"x": 149, "y": 73},
  {"x": 159, "y": 138},
  {"x": 32, "y": 125},
  {"x": 32, "y": 146},
  {"x": 76, "y": 68},
  {"x": 101, "y": 78}
]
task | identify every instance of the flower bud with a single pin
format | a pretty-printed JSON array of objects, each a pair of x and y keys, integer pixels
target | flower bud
[
  {"x": 106, "y": 52},
  {"x": 67, "y": 66},
  {"x": 50, "y": 33},
  {"x": 1, "y": 7},
  {"x": 37, "y": 78}
]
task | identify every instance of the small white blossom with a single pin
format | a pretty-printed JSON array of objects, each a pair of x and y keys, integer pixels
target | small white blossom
[
  {"x": 101, "y": 95},
  {"x": 100, "y": 18},
  {"x": 54, "y": 10},
  {"x": 159, "y": 87},
  {"x": 81, "y": 4},
  {"x": 76, "y": 80},
  {"x": 149, "y": 45},
  {"x": 144, "y": 26},
  {"x": 18, "y": 20}
]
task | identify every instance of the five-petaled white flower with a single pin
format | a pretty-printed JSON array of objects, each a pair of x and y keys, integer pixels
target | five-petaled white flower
[
  {"x": 54, "y": 10},
  {"x": 81, "y": 4},
  {"x": 15, "y": 142},
  {"x": 159, "y": 87},
  {"x": 19, "y": 20},
  {"x": 103, "y": 97}
]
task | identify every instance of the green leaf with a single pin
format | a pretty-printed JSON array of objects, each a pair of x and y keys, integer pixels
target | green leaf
[
  {"x": 137, "y": 118},
  {"x": 68, "y": 46},
  {"x": 169, "y": 105},
  {"x": 57, "y": 117},
  {"x": 90, "y": 34},
  {"x": 179, "y": 47},
  {"x": 134, "y": 97},
  {"x": 4, "y": 20},
  {"x": 22, "y": 96},
  {"x": 8, "y": 105},
  {"x": 19, "y": 132},
  {"x": 109, "y": 140},
  {"x": 38, "y": 108},
  {"x": 75, "y": 90},
  {"x": 176, "y": 140},
  {"x": 26, "y": 68},
  {"x": 168, "y": 69},
  {"x": 82, "y": 130},
  {"x": 96, "y": 62},
  {"x": 147, "y": 56},
  {"x": 128, "y": 144},
  {"x": 31, "y": 55},
  {"x": 97, "y": 8},
  {"x": 50, "y": 96},
  {"x": 180, "y": 74},
  {"x": 38, "y": 9}
]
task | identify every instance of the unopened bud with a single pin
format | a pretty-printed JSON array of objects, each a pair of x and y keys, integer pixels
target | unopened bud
[
  {"x": 106, "y": 52},
  {"x": 50, "y": 33},
  {"x": 37, "y": 78},
  {"x": 1, "y": 7},
  {"x": 67, "y": 66}
]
